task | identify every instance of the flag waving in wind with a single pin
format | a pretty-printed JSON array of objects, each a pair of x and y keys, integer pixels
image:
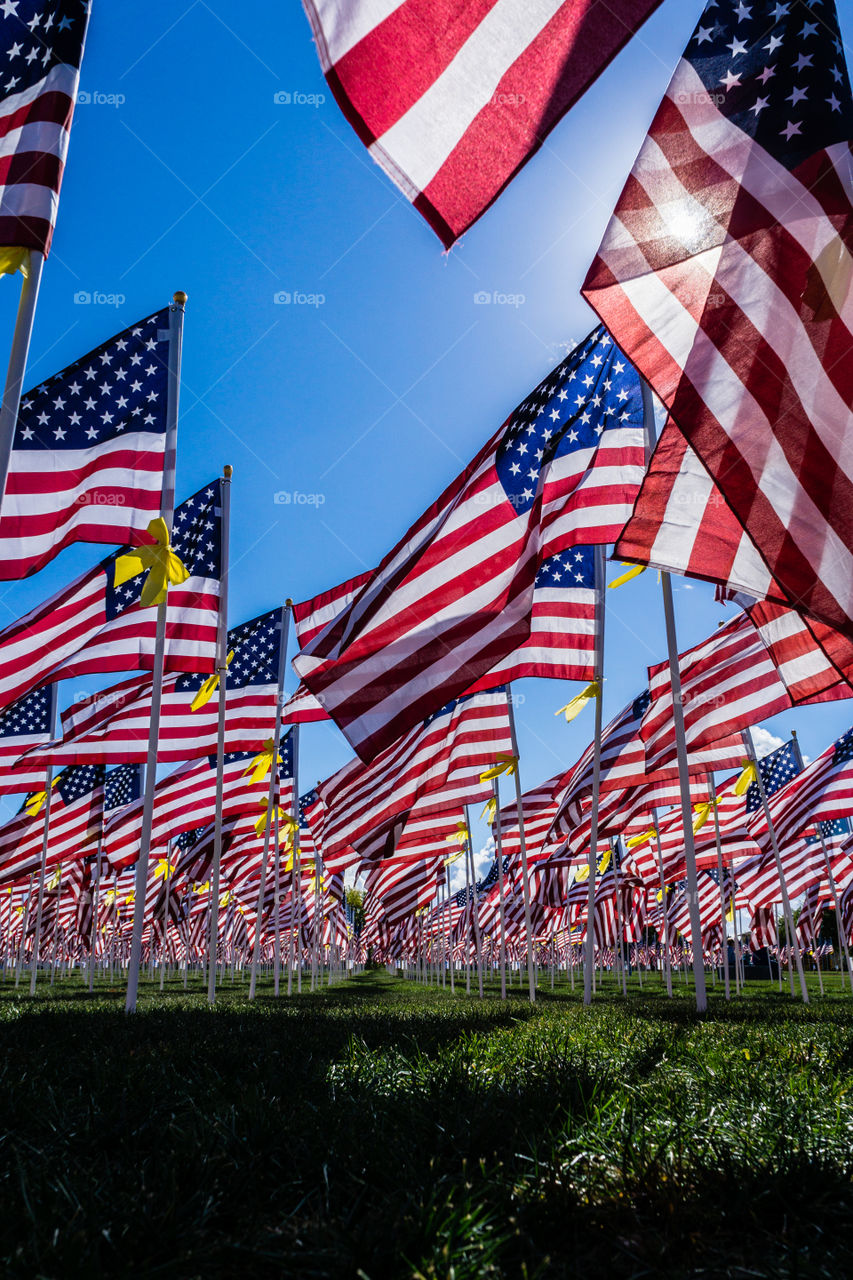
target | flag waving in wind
[
  {"x": 725, "y": 275},
  {"x": 455, "y": 596},
  {"x": 87, "y": 458},
  {"x": 42, "y": 42}
]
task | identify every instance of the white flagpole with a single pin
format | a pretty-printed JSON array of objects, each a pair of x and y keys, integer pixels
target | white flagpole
[
  {"x": 277, "y": 918},
  {"x": 222, "y": 672},
  {"x": 525, "y": 882},
  {"x": 500, "y": 857},
  {"x": 16, "y": 371},
  {"x": 723, "y": 941},
  {"x": 665, "y": 948},
  {"x": 48, "y": 788},
  {"x": 842, "y": 936},
  {"x": 270, "y": 828},
  {"x": 167, "y": 513},
  {"x": 475, "y": 905},
  {"x": 598, "y": 675},
  {"x": 793, "y": 941}
]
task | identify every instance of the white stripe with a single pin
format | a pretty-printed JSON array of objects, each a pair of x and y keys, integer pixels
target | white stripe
[
  {"x": 338, "y": 25},
  {"x": 418, "y": 144}
]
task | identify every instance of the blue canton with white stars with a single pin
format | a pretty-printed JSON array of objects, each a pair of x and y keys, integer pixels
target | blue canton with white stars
[
  {"x": 255, "y": 646},
  {"x": 196, "y": 540},
  {"x": 117, "y": 388},
  {"x": 38, "y": 35},
  {"x": 285, "y": 751},
  {"x": 776, "y": 769},
  {"x": 573, "y": 569},
  {"x": 29, "y": 715},
  {"x": 79, "y": 780},
  {"x": 831, "y": 828},
  {"x": 123, "y": 786},
  {"x": 491, "y": 879},
  {"x": 450, "y": 707},
  {"x": 777, "y": 71},
  {"x": 594, "y": 389},
  {"x": 305, "y": 803},
  {"x": 843, "y": 749}
]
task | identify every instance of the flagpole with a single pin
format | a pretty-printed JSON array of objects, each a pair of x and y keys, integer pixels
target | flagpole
[
  {"x": 475, "y": 905},
  {"x": 842, "y": 936},
  {"x": 525, "y": 883},
  {"x": 723, "y": 943},
  {"x": 11, "y": 402},
  {"x": 48, "y": 788},
  {"x": 598, "y": 677},
  {"x": 167, "y": 513},
  {"x": 277, "y": 917},
  {"x": 667, "y": 959},
  {"x": 222, "y": 672},
  {"x": 786, "y": 901},
  {"x": 272, "y": 805},
  {"x": 500, "y": 855}
]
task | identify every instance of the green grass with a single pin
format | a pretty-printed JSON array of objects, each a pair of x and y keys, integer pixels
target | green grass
[{"x": 382, "y": 1129}]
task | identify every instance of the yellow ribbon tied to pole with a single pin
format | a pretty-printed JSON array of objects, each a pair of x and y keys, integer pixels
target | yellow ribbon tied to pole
[
  {"x": 605, "y": 862},
  {"x": 202, "y": 888},
  {"x": 261, "y": 766},
  {"x": 55, "y": 878},
  {"x": 163, "y": 567},
  {"x": 646, "y": 836},
  {"x": 489, "y": 811},
  {"x": 573, "y": 709},
  {"x": 36, "y": 802},
  {"x": 285, "y": 820},
  {"x": 702, "y": 813},
  {"x": 506, "y": 763},
  {"x": 746, "y": 779},
  {"x": 208, "y": 689},
  {"x": 582, "y": 874},
  {"x": 633, "y": 572},
  {"x": 460, "y": 835},
  {"x": 163, "y": 868}
]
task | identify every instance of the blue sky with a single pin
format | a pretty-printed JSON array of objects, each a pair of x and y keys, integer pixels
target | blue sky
[{"x": 372, "y": 392}]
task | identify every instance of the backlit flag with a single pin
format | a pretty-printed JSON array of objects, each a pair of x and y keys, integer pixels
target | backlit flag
[
  {"x": 76, "y": 806},
  {"x": 42, "y": 44},
  {"x": 114, "y": 724},
  {"x": 24, "y": 725},
  {"x": 823, "y": 790},
  {"x": 94, "y": 626},
  {"x": 455, "y": 596},
  {"x": 451, "y": 99},
  {"x": 87, "y": 457},
  {"x": 725, "y": 275}
]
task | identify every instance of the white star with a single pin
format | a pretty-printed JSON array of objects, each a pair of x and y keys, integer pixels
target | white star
[
  {"x": 703, "y": 34},
  {"x": 59, "y": 433},
  {"x": 781, "y": 11},
  {"x": 766, "y": 74},
  {"x": 74, "y": 419},
  {"x": 804, "y": 60},
  {"x": 797, "y": 96},
  {"x": 790, "y": 130},
  {"x": 10, "y": 8},
  {"x": 809, "y": 29},
  {"x": 730, "y": 81},
  {"x": 65, "y": 24},
  {"x": 834, "y": 103},
  {"x": 27, "y": 433},
  {"x": 773, "y": 45},
  {"x": 91, "y": 434},
  {"x": 743, "y": 11},
  {"x": 737, "y": 47}
]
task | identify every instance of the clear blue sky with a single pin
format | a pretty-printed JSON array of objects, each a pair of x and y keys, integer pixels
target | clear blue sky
[{"x": 190, "y": 175}]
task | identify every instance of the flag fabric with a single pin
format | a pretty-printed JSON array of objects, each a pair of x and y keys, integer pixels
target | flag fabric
[
  {"x": 87, "y": 456},
  {"x": 187, "y": 798},
  {"x": 93, "y": 626},
  {"x": 76, "y": 807},
  {"x": 114, "y": 724},
  {"x": 43, "y": 44},
  {"x": 453, "y": 99},
  {"x": 455, "y": 596},
  {"x": 445, "y": 754},
  {"x": 24, "y": 725},
  {"x": 814, "y": 662},
  {"x": 725, "y": 275},
  {"x": 818, "y": 793}
]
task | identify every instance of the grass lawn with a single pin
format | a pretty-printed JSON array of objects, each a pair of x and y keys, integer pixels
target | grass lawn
[{"x": 383, "y": 1129}]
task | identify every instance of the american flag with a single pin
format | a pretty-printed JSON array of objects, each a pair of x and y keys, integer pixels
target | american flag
[
  {"x": 814, "y": 661},
  {"x": 92, "y": 626},
  {"x": 24, "y": 725},
  {"x": 114, "y": 724},
  {"x": 186, "y": 798},
  {"x": 445, "y": 754},
  {"x": 43, "y": 45},
  {"x": 762, "y": 929},
  {"x": 399, "y": 887},
  {"x": 823, "y": 790},
  {"x": 708, "y": 898},
  {"x": 76, "y": 808},
  {"x": 777, "y": 769},
  {"x": 725, "y": 273},
  {"x": 452, "y": 99},
  {"x": 727, "y": 682},
  {"x": 455, "y": 596},
  {"x": 758, "y": 883},
  {"x": 87, "y": 457}
]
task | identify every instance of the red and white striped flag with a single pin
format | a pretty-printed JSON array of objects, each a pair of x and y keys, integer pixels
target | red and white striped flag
[
  {"x": 87, "y": 455},
  {"x": 452, "y": 99},
  {"x": 725, "y": 275},
  {"x": 76, "y": 808},
  {"x": 93, "y": 626},
  {"x": 113, "y": 725},
  {"x": 43, "y": 47},
  {"x": 445, "y": 755},
  {"x": 455, "y": 596}
]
